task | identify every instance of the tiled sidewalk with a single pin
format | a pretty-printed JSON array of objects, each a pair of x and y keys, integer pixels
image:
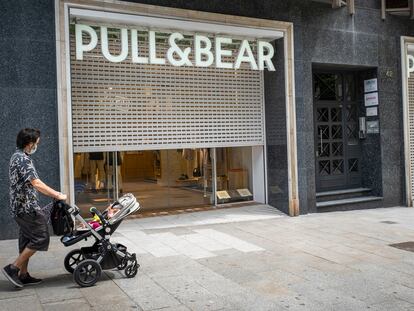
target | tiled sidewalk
[{"x": 249, "y": 258}]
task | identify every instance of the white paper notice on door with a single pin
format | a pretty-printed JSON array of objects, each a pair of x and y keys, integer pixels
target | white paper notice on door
[
  {"x": 370, "y": 85},
  {"x": 371, "y": 99},
  {"x": 372, "y": 111}
]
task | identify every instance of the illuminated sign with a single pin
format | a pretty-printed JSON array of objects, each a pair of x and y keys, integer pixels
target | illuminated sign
[
  {"x": 203, "y": 53},
  {"x": 410, "y": 64}
]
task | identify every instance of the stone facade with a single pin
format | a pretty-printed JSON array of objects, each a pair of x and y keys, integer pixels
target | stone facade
[{"x": 323, "y": 36}]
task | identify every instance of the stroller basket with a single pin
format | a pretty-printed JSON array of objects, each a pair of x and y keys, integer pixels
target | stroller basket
[{"x": 110, "y": 260}]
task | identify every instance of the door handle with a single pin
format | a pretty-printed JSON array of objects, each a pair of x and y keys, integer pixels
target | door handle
[{"x": 320, "y": 133}]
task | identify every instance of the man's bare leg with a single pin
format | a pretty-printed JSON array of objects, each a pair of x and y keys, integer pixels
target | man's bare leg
[
  {"x": 23, "y": 260},
  {"x": 23, "y": 269}
]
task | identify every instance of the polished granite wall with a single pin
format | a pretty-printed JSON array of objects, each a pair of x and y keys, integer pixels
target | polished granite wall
[
  {"x": 322, "y": 36},
  {"x": 27, "y": 91},
  {"x": 371, "y": 162},
  {"x": 276, "y": 138}
]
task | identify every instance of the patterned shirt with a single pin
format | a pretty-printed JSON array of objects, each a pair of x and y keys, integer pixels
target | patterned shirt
[{"x": 23, "y": 196}]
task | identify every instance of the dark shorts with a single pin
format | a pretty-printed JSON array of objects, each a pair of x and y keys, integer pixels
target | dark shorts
[{"x": 34, "y": 232}]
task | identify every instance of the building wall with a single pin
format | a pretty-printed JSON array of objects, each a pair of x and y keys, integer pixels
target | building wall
[
  {"x": 27, "y": 91},
  {"x": 322, "y": 36},
  {"x": 276, "y": 138},
  {"x": 366, "y": 41}
]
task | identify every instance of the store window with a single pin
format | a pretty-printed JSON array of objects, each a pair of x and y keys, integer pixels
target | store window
[
  {"x": 234, "y": 174},
  {"x": 160, "y": 179},
  {"x": 97, "y": 178}
]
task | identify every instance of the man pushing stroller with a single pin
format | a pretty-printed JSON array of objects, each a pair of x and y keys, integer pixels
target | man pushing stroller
[
  {"x": 85, "y": 263},
  {"x": 25, "y": 209}
]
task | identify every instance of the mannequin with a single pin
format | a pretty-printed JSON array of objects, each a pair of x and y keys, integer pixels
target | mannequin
[
  {"x": 96, "y": 162},
  {"x": 119, "y": 159}
]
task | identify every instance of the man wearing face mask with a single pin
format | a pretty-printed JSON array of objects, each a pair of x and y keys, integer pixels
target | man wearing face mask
[{"x": 25, "y": 209}]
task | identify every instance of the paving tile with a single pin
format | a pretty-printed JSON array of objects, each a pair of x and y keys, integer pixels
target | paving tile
[
  {"x": 219, "y": 285},
  {"x": 185, "y": 288},
  {"x": 392, "y": 304},
  {"x": 79, "y": 304},
  {"x": 182, "y": 246},
  {"x": 229, "y": 240},
  {"x": 117, "y": 305},
  {"x": 64, "y": 288},
  {"x": 175, "y": 308},
  {"x": 402, "y": 292},
  {"x": 22, "y": 303},
  {"x": 207, "y": 304},
  {"x": 7, "y": 290},
  {"x": 104, "y": 292},
  {"x": 205, "y": 242},
  {"x": 149, "y": 295}
]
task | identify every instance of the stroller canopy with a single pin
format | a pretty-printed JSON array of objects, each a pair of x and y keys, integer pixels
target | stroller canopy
[{"x": 127, "y": 204}]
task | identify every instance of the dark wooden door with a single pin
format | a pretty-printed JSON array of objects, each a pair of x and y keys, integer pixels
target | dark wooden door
[{"x": 337, "y": 145}]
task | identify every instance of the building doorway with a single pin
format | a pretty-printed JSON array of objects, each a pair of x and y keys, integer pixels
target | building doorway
[{"x": 336, "y": 131}]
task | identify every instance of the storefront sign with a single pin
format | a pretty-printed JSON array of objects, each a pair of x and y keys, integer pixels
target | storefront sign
[
  {"x": 370, "y": 85},
  {"x": 371, "y": 99},
  {"x": 204, "y": 55},
  {"x": 410, "y": 64}
]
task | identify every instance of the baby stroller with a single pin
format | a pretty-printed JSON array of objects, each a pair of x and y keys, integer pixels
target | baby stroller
[{"x": 86, "y": 263}]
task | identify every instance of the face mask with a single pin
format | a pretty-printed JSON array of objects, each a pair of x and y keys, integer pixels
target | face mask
[{"x": 33, "y": 150}]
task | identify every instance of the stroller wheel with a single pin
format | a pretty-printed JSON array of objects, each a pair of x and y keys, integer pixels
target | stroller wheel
[
  {"x": 72, "y": 259},
  {"x": 131, "y": 270},
  {"x": 87, "y": 273}
]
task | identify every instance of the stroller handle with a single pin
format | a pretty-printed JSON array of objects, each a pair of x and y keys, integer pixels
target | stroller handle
[{"x": 71, "y": 209}]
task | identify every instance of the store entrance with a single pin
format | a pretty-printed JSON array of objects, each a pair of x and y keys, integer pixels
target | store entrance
[
  {"x": 168, "y": 181},
  {"x": 161, "y": 179}
]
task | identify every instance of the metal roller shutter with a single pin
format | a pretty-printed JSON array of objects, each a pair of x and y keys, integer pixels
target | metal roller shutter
[
  {"x": 129, "y": 106},
  {"x": 411, "y": 127}
]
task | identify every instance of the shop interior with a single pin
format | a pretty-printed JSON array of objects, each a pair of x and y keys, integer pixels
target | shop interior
[{"x": 164, "y": 180}]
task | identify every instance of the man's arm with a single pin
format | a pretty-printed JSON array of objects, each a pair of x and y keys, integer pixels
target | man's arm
[{"x": 46, "y": 190}]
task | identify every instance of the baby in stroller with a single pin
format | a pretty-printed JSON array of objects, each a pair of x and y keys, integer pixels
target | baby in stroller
[{"x": 95, "y": 222}]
